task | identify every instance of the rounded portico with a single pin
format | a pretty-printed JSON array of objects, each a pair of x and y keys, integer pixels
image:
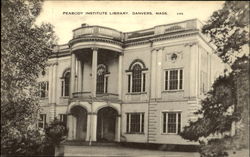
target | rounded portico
[{"x": 96, "y": 60}]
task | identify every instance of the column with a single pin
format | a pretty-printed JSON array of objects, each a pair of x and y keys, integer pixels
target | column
[
  {"x": 70, "y": 127},
  {"x": 79, "y": 76},
  {"x": 94, "y": 71},
  {"x": 193, "y": 82},
  {"x": 88, "y": 128},
  {"x": 50, "y": 83},
  {"x": 197, "y": 69},
  {"x": 94, "y": 126},
  {"x": 118, "y": 131},
  {"x": 153, "y": 73},
  {"x": 72, "y": 76},
  {"x": 76, "y": 75},
  {"x": 54, "y": 83},
  {"x": 120, "y": 77},
  {"x": 74, "y": 127},
  {"x": 159, "y": 72}
]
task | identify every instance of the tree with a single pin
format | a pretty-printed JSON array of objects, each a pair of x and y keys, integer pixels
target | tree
[
  {"x": 25, "y": 48},
  {"x": 228, "y": 29},
  {"x": 228, "y": 100}
]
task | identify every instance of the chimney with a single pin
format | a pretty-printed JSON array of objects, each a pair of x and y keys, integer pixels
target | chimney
[{"x": 84, "y": 25}]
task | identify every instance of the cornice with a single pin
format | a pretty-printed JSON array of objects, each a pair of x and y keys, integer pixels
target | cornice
[
  {"x": 128, "y": 43},
  {"x": 161, "y": 37},
  {"x": 102, "y": 39}
]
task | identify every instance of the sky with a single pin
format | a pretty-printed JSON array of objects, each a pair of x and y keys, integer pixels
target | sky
[{"x": 54, "y": 12}]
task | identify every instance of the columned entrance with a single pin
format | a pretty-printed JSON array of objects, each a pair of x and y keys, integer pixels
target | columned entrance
[
  {"x": 107, "y": 124},
  {"x": 79, "y": 121}
]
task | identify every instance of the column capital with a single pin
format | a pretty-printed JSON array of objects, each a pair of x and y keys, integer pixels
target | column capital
[
  {"x": 94, "y": 48},
  {"x": 191, "y": 44},
  {"x": 158, "y": 48},
  {"x": 153, "y": 49},
  {"x": 91, "y": 113}
]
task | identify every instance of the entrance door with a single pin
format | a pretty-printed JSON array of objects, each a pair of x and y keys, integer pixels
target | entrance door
[
  {"x": 106, "y": 124},
  {"x": 80, "y": 115}
]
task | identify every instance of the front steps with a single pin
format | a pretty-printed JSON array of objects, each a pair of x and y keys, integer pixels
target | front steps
[{"x": 87, "y": 143}]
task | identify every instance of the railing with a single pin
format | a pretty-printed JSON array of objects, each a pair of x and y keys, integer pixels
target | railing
[
  {"x": 85, "y": 95},
  {"x": 107, "y": 96},
  {"x": 88, "y": 95},
  {"x": 97, "y": 31},
  {"x": 164, "y": 29},
  {"x": 138, "y": 34},
  {"x": 85, "y": 30},
  {"x": 60, "y": 47}
]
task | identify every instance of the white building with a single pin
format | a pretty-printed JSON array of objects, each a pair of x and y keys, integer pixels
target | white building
[{"x": 140, "y": 86}]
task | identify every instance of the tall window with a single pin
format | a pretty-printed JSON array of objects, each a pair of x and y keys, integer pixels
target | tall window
[
  {"x": 102, "y": 79},
  {"x": 174, "y": 79},
  {"x": 203, "y": 82},
  {"x": 65, "y": 84},
  {"x": 171, "y": 122},
  {"x": 137, "y": 77},
  {"x": 135, "y": 122},
  {"x": 42, "y": 121},
  {"x": 43, "y": 89}
]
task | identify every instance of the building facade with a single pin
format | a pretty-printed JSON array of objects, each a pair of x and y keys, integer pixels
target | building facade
[{"x": 141, "y": 86}]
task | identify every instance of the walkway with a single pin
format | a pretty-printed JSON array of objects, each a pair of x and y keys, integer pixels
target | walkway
[{"x": 115, "y": 151}]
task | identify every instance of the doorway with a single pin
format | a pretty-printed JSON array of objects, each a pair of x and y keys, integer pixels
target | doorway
[
  {"x": 106, "y": 124},
  {"x": 80, "y": 127}
]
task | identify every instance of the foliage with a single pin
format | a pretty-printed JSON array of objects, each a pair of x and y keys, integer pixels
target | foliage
[
  {"x": 25, "y": 48},
  {"x": 215, "y": 110},
  {"x": 28, "y": 143},
  {"x": 214, "y": 148},
  {"x": 228, "y": 100},
  {"x": 229, "y": 29},
  {"x": 56, "y": 132}
]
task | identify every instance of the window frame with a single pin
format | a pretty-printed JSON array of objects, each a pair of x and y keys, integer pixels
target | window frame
[
  {"x": 63, "y": 85},
  {"x": 203, "y": 82},
  {"x": 178, "y": 126},
  {"x": 43, "y": 121},
  {"x": 106, "y": 78},
  {"x": 46, "y": 90},
  {"x": 143, "y": 78},
  {"x": 63, "y": 119},
  {"x": 179, "y": 79},
  {"x": 141, "y": 122}
]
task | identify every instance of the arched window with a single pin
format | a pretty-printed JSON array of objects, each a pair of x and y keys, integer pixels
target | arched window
[
  {"x": 137, "y": 77},
  {"x": 101, "y": 79},
  {"x": 65, "y": 84}
]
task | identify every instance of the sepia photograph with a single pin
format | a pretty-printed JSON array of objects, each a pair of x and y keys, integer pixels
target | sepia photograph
[{"x": 124, "y": 78}]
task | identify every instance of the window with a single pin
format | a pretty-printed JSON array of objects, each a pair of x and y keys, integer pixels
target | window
[
  {"x": 137, "y": 79},
  {"x": 102, "y": 79},
  {"x": 174, "y": 79},
  {"x": 63, "y": 118},
  {"x": 135, "y": 122},
  {"x": 171, "y": 122},
  {"x": 203, "y": 82},
  {"x": 66, "y": 84},
  {"x": 42, "y": 121},
  {"x": 43, "y": 89}
]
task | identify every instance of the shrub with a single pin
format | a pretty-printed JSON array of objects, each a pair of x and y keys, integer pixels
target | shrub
[
  {"x": 56, "y": 132},
  {"x": 30, "y": 142}
]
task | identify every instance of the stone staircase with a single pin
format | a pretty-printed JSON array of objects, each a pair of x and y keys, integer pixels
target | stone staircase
[
  {"x": 152, "y": 122},
  {"x": 87, "y": 143}
]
